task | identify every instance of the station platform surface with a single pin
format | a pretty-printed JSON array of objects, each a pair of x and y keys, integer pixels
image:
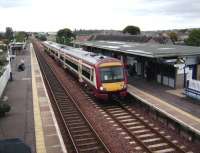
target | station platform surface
[
  {"x": 173, "y": 103},
  {"x": 47, "y": 134},
  {"x": 31, "y": 117},
  {"x": 19, "y": 122}
]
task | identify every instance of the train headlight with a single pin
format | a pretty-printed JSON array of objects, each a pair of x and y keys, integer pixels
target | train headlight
[
  {"x": 101, "y": 88},
  {"x": 124, "y": 86}
]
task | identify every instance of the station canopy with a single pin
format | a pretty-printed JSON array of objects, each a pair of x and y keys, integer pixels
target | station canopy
[{"x": 144, "y": 49}]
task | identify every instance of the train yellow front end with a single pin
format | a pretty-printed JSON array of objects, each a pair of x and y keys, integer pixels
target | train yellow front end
[{"x": 112, "y": 80}]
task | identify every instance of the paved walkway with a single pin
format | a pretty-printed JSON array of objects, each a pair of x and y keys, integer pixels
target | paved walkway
[
  {"x": 169, "y": 95},
  {"x": 168, "y": 101},
  {"x": 19, "y": 122}
]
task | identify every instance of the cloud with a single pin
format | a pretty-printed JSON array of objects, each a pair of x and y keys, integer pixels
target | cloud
[
  {"x": 13, "y": 3},
  {"x": 51, "y": 15},
  {"x": 181, "y": 8}
]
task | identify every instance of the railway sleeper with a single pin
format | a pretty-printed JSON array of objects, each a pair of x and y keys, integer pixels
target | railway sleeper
[
  {"x": 70, "y": 114},
  {"x": 91, "y": 149},
  {"x": 88, "y": 144},
  {"x": 85, "y": 139},
  {"x": 72, "y": 117},
  {"x": 75, "y": 121},
  {"x": 82, "y": 135},
  {"x": 165, "y": 150},
  {"x": 67, "y": 108},
  {"x": 131, "y": 123},
  {"x": 128, "y": 120},
  {"x": 137, "y": 127},
  {"x": 76, "y": 124},
  {"x": 140, "y": 131},
  {"x": 146, "y": 135},
  {"x": 152, "y": 140},
  {"x": 123, "y": 117},
  {"x": 78, "y": 127},
  {"x": 80, "y": 131}
]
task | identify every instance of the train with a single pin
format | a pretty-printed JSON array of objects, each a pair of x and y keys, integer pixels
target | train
[{"x": 105, "y": 76}]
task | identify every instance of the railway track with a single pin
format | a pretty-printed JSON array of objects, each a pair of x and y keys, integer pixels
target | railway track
[
  {"x": 83, "y": 137},
  {"x": 140, "y": 132}
]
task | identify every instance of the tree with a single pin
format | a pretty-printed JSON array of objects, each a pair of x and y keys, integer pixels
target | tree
[
  {"x": 9, "y": 33},
  {"x": 64, "y": 36},
  {"x": 133, "y": 30},
  {"x": 41, "y": 36},
  {"x": 2, "y": 36},
  {"x": 21, "y": 36},
  {"x": 173, "y": 36},
  {"x": 194, "y": 38}
]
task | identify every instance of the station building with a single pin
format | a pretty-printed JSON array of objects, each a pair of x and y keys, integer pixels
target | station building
[
  {"x": 169, "y": 65},
  {"x": 16, "y": 47}
]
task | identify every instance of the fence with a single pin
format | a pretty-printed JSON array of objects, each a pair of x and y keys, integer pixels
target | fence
[
  {"x": 4, "y": 78},
  {"x": 193, "y": 89}
]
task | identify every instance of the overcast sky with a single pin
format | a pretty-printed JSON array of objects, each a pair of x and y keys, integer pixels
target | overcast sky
[{"x": 52, "y": 15}]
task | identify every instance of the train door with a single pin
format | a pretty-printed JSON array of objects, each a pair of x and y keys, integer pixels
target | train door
[{"x": 80, "y": 70}]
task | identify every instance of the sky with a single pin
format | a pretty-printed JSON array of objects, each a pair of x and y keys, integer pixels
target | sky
[{"x": 52, "y": 15}]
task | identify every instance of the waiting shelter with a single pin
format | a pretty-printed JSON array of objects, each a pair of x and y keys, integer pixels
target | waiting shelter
[{"x": 16, "y": 48}]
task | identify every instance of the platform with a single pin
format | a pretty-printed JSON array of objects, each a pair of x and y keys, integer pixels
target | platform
[
  {"x": 48, "y": 137},
  {"x": 173, "y": 103},
  {"x": 31, "y": 117}
]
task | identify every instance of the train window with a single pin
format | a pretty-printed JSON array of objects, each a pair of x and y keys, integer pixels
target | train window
[
  {"x": 92, "y": 75},
  {"x": 111, "y": 74},
  {"x": 62, "y": 58},
  {"x": 74, "y": 66},
  {"x": 86, "y": 72}
]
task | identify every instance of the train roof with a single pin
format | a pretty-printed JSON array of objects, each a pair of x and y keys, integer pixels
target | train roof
[{"x": 78, "y": 53}]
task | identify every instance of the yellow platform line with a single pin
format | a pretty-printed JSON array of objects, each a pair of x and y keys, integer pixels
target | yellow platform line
[
  {"x": 39, "y": 135},
  {"x": 196, "y": 119}
]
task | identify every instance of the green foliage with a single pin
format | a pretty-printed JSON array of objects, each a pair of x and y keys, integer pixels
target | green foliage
[
  {"x": 40, "y": 36},
  {"x": 21, "y": 36},
  {"x": 133, "y": 30},
  {"x": 3, "y": 60},
  {"x": 6, "y": 41},
  {"x": 4, "y": 107},
  {"x": 9, "y": 33},
  {"x": 3, "y": 47},
  {"x": 173, "y": 36},
  {"x": 43, "y": 38},
  {"x": 2, "y": 36},
  {"x": 1, "y": 70},
  {"x": 3, "y": 55},
  {"x": 64, "y": 36},
  {"x": 194, "y": 38}
]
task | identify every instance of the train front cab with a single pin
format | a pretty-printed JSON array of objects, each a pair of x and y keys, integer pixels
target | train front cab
[{"x": 111, "y": 81}]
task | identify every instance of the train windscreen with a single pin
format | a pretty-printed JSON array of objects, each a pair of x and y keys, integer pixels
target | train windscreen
[{"x": 111, "y": 74}]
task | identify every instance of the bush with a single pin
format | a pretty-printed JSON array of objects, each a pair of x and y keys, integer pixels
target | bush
[
  {"x": 4, "y": 107},
  {"x": 1, "y": 70}
]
